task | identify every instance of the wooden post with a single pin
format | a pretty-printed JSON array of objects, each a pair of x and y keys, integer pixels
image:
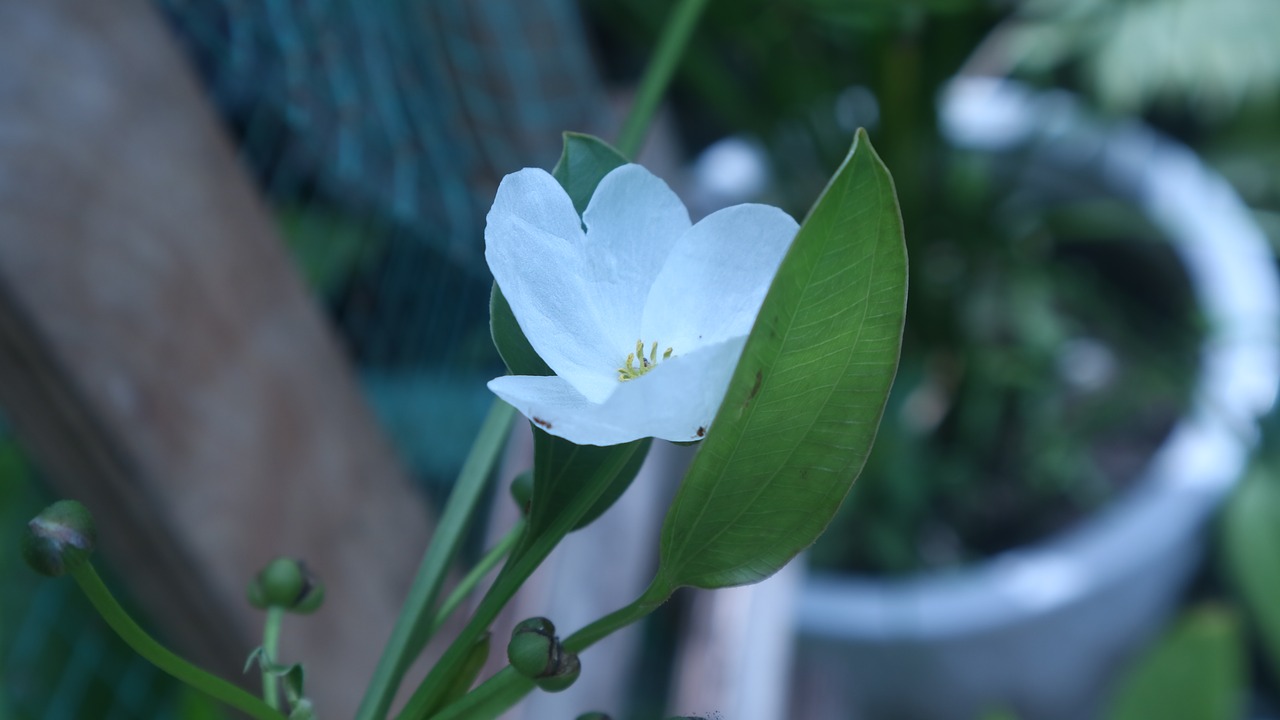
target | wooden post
[{"x": 164, "y": 364}]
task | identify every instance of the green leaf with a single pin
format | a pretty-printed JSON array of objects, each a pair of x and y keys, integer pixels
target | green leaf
[
  {"x": 806, "y": 398},
  {"x": 469, "y": 670},
  {"x": 1195, "y": 672},
  {"x": 562, "y": 470},
  {"x": 1251, "y": 546},
  {"x": 513, "y": 346},
  {"x": 295, "y": 680},
  {"x": 583, "y": 163},
  {"x": 620, "y": 482}
]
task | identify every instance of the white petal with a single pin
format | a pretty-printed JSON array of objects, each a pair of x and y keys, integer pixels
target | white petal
[
  {"x": 633, "y": 220},
  {"x": 674, "y": 401},
  {"x": 536, "y": 250},
  {"x": 717, "y": 276}
]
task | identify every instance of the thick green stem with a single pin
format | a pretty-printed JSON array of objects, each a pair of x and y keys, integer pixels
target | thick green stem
[
  {"x": 473, "y": 578},
  {"x": 526, "y": 558},
  {"x": 656, "y": 594},
  {"x": 416, "y": 622},
  {"x": 160, "y": 656},
  {"x": 490, "y": 699},
  {"x": 675, "y": 36},
  {"x": 270, "y": 649}
]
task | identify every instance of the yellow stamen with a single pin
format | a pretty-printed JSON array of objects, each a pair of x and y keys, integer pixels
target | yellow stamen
[{"x": 631, "y": 371}]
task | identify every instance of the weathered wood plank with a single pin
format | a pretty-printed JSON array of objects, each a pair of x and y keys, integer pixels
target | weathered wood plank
[{"x": 164, "y": 363}]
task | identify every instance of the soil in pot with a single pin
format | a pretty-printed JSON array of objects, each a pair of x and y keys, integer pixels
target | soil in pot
[{"x": 1051, "y": 344}]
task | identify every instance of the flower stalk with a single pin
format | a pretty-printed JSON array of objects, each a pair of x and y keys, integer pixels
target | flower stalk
[
  {"x": 164, "y": 659},
  {"x": 416, "y": 622},
  {"x": 671, "y": 44},
  {"x": 270, "y": 650}
]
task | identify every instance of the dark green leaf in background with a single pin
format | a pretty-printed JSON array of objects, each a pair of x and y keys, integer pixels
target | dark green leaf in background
[
  {"x": 1194, "y": 672},
  {"x": 583, "y": 163},
  {"x": 807, "y": 396},
  {"x": 1251, "y": 552},
  {"x": 512, "y": 345}
]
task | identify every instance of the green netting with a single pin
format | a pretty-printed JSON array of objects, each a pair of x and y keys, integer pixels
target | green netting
[{"x": 378, "y": 131}]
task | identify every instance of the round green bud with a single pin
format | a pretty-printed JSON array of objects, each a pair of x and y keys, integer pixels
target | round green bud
[
  {"x": 534, "y": 649},
  {"x": 539, "y": 625},
  {"x": 565, "y": 674},
  {"x": 522, "y": 491},
  {"x": 60, "y": 538},
  {"x": 286, "y": 583}
]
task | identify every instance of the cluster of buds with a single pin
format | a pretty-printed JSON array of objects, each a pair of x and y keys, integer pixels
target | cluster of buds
[{"x": 535, "y": 652}]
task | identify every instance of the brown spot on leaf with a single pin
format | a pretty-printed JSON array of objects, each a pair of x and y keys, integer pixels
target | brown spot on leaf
[
  {"x": 755, "y": 388},
  {"x": 543, "y": 423}
]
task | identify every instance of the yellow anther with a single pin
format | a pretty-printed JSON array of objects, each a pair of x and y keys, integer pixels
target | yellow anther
[{"x": 631, "y": 371}]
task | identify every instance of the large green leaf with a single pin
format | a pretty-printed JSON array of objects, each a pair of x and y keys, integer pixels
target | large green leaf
[
  {"x": 562, "y": 469},
  {"x": 806, "y": 398},
  {"x": 1251, "y": 550},
  {"x": 1195, "y": 672}
]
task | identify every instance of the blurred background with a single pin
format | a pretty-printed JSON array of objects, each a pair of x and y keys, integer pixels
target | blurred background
[{"x": 243, "y": 311}]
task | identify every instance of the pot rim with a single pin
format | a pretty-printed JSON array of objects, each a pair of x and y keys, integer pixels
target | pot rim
[{"x": 1232, "y": 272}]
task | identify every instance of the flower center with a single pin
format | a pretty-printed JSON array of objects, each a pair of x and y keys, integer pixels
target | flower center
[{"x": 638, "y": 364}]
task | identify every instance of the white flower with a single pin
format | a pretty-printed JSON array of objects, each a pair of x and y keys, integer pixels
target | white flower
[{"x": 640, "y": 274}]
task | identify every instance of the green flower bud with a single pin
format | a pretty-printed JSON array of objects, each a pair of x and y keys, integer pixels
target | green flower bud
[
  {"x": 534, "y": 649},
  {"x": 288, "y": 584},
  {"x": 566, "y": 673},
  {"x": 522, "y": 491},
  {"x": 60, "y": 538}
]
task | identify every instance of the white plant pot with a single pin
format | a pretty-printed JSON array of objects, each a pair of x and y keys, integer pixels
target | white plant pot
[{"x": 1043, "y": 631}]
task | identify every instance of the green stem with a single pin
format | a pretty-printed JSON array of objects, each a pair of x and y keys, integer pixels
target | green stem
[
  {"x": 270, "y": 648},
  {"x": 675, "y": 36},
  {"x": 653, "y": 597},
  {"x": 526, "y": 558},
  {"x": 490, "y": 699},
  {"x": 164, "y": 659},
  {"x": 473, "y": 578},
  {"x": 416, "y": 622},
  {"x": 507, "y": 687}
]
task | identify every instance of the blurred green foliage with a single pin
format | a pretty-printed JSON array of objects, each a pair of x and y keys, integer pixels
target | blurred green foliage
[
  {"x": 1212, "y": 57},
  {"x": 1206, "y": 71},
  {"x": 1196, "y": 671},
  {"x": 1249, "y": 547}
]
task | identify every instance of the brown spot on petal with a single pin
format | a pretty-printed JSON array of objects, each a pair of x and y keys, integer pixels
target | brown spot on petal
[
  {"x": 543, "y": 423},
  {"x": 702, "y": 431}
]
